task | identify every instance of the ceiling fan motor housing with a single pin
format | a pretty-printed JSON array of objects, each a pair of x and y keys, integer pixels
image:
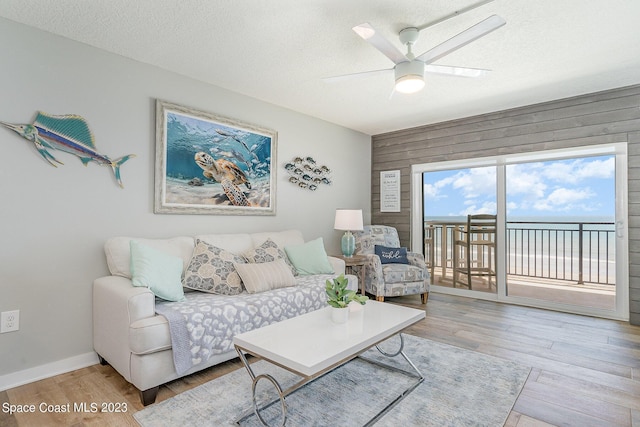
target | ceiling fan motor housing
[{"x": 409, "y": 36}]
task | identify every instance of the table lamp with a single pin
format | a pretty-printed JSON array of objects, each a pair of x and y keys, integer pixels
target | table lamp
[{"x": 348, "y": 220}]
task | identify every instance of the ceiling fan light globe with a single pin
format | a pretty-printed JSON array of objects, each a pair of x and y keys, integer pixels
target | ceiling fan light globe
[
  {"x": 409, "y": 84},
  {"x": 409, "y": 76}
]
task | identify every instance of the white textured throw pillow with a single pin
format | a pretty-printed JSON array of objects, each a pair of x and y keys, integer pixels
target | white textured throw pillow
[{"x": 265, "y": 276}]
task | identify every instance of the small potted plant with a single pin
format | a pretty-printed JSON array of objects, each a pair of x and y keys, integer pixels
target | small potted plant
[{"x": 339, "y": 297}]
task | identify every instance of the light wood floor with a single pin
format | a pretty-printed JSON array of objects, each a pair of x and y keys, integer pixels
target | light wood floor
[{"x": 585, "y": 371}]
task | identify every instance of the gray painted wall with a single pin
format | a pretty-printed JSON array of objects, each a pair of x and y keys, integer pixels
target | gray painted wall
[
  {"x": 611, "y": 116},
  {"x": 56, "y": 220}
]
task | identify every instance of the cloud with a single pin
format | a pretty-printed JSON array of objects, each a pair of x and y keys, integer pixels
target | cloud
[
  {"x": 485, "y": 208},
  {"x": 435, "y": 191},
  {"x": 566, "y": 199},
  {"x": 511, "y": 206},
  {"x": 529, "y": 183},
  {"x": 476, "y": 182},
  {"x": 525, "y": 179},
  {"x": 429, "y": 191},
  {"x": 556, "y": 186},
  {"x": 563, "y": 196},
  {"x": 578, "y": 170}
]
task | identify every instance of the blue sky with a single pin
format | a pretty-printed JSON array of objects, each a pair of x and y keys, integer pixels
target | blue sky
[{"x": 574, "y": 187}]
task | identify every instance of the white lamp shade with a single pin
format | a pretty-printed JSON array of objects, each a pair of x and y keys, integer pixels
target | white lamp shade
[{"x": 348, "y": 219}]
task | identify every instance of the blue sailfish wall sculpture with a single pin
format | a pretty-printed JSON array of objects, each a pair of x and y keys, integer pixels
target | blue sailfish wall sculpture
[{"x": 68, "y": 133}]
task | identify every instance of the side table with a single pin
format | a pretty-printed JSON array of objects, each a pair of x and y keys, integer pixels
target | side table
[{"x": 354, "y": 261}]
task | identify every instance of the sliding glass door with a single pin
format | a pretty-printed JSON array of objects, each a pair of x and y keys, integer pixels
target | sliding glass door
[
  {"x": 561, "y": 238},
  {"x": 449, "y": 197},
  {"x": 560, "y": 231}
]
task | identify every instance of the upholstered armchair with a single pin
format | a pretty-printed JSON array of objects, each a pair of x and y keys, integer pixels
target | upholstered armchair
[{"x": 387, "y": 277}]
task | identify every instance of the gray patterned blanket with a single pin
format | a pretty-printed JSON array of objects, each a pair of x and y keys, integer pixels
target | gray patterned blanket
[{"x": 205, "y": 324}]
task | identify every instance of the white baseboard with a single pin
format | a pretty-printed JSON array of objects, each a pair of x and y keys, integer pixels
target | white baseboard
[{"x": 48, "y": 370}]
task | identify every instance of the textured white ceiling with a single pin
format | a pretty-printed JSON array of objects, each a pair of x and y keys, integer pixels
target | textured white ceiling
[{"x": 279, "y": 50}]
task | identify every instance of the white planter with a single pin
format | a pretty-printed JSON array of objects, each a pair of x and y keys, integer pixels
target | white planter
[{"x": 339, "y": 315}]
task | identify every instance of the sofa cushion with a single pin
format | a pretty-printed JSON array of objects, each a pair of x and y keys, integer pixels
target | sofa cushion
[
  {"x": 118, "y": 251},
  {"x": 234, "y": 243},
  {"x": 267, "y": 252},
  {"x": 265, "y": 276},
  {"x": 310, "y": 257},
  {"x": 211, "y": 269},
  {"x": 149, "y": 335},
  {"x": 153, "y": 269},
  {"x": 281, "y": 238}
]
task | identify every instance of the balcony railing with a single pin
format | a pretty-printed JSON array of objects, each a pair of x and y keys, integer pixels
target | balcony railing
[
  {"x": 579, "y": 252},
  {"x": 576, "y": 251}
]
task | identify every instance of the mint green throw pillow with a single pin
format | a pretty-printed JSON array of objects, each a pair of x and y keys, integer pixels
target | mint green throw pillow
[
  {"x": 309, "y": 258},
  {"x": 159, "y": 272}
]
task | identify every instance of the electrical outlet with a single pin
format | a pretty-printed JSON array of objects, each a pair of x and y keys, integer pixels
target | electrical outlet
[{"x": 9, "y": 321}]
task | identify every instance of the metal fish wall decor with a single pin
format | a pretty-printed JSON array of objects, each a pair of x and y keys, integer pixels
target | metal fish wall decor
[
  {"x": 70, "y": 134},
  {"x": 306, "y": 174}
]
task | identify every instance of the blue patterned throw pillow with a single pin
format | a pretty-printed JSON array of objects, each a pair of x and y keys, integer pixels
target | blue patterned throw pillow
[{"x": 391, "y": 255}]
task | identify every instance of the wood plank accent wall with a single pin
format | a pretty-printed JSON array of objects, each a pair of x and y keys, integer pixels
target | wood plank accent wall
[{"x": 598, "y": 118}]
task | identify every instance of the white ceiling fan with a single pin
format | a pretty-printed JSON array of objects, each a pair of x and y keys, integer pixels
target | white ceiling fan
[{"x": 409, "y": 70}]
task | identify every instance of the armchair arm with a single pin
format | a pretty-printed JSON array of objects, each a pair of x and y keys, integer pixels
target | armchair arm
[
  {"x": 373, "y": 277},
  {"x": 417, "y": 259}
]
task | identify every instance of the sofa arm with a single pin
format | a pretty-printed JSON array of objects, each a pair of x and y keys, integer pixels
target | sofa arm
[
  {"x": 116, "y": 305},
  {"x": 337, "y": 264}
]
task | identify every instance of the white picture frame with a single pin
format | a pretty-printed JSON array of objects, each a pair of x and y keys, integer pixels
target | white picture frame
[{"x": 390, "y": 191}]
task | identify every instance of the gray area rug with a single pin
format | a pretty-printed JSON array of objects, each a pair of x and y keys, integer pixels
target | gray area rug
[{"x": 461, "y": 388}]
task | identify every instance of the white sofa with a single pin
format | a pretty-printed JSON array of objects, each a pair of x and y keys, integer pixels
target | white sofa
[{"x": 136, "y": 342}]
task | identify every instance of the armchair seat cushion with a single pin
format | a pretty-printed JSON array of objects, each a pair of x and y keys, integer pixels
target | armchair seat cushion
[
  {"x": 402, "y": 273},
  {"x": 400, "y": 289}
]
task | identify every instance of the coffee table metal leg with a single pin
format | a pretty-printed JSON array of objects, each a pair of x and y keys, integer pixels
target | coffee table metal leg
[
  {"x": 418, "y": 375},
  {"x": 397, "y": 352},
  {"x": 256, "y": 407},
  {"x": 401, "y": 352}
]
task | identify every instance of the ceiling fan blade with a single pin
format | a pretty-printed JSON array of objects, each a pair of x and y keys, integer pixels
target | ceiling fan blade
[
  {"x": 377, "y": 40},
  {"x": 454, "y": 14},
  {"x": 345, "y": 77},
  {"x": 455, "y": 71},
  {"x": 464, "y": 38}
]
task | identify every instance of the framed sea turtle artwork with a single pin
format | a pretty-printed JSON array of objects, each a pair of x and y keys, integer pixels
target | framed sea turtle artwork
[{"x": 210, "y": 164}]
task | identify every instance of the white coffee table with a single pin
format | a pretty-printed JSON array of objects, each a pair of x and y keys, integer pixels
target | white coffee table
[{"x": 311, "y": 345}]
